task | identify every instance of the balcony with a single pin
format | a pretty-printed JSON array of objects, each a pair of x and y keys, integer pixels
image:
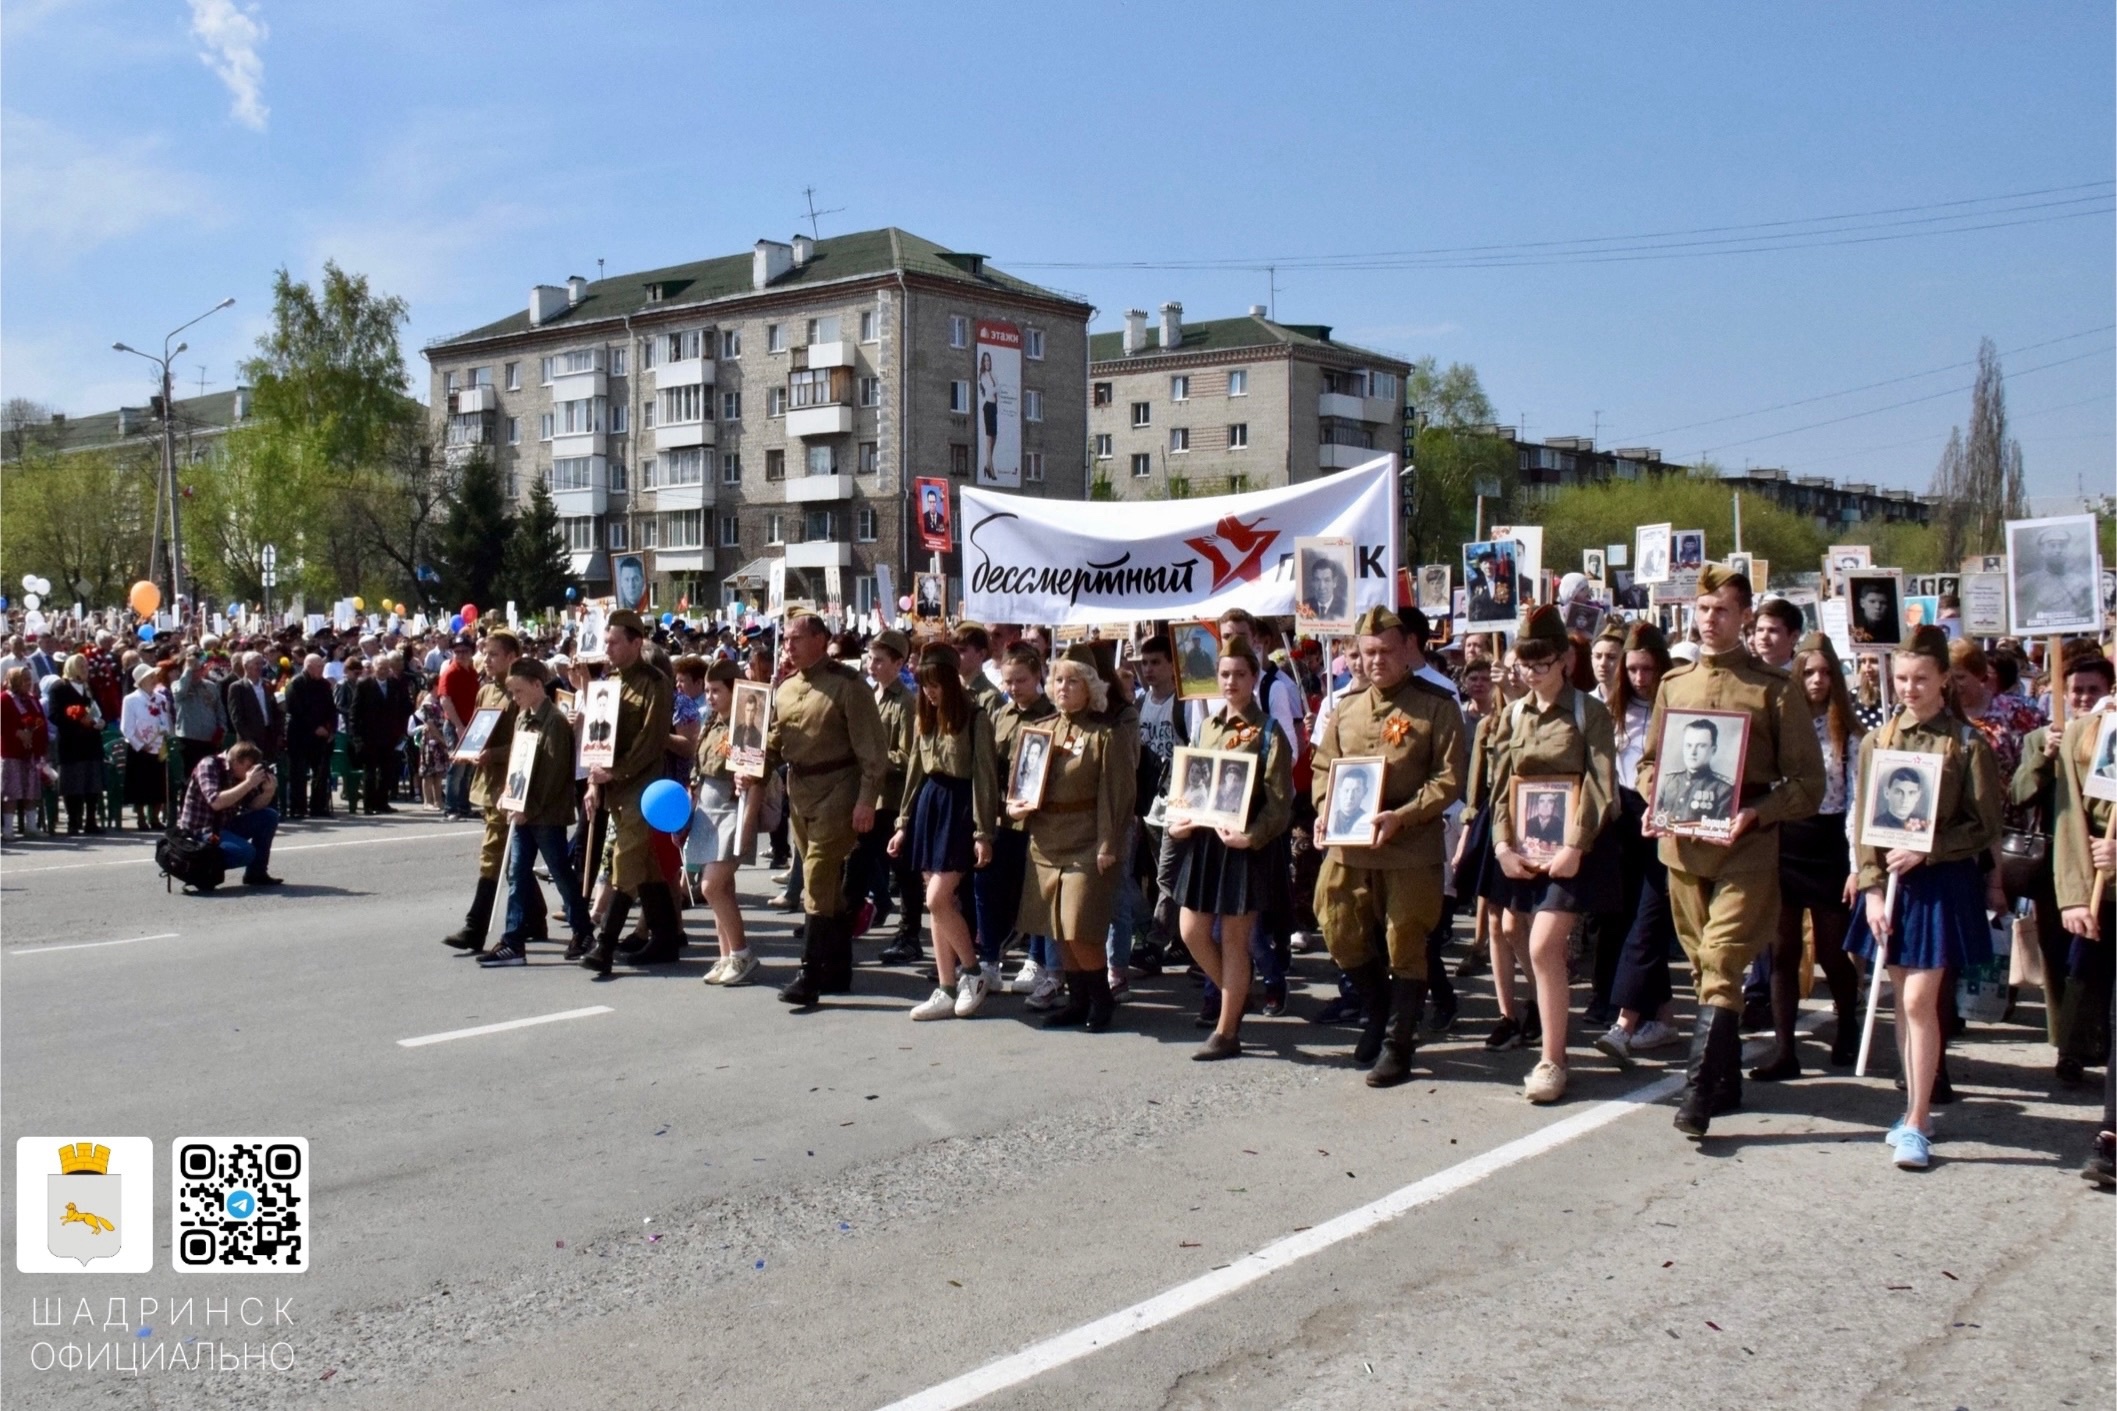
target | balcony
[
  {"x": 820, "y": 553},
  {"x": 1334, "y": 457},
  {"x": 573, "y": 386},
  {"x": 688, "y": 372},
  {"x": 1380, "y": 410},
  {"x": 466, "y": 400},
  {"x": 577, "y": 492},
  {"x": 830, "y": 419},
  {"x": 683, "y": 560},
  {"x": 589, "y": 564},
  {"x": 1341, "y": 404},
  {"x": 677, "y": 436},
  {"x": 838, "y": 353},
  {"x": 580, "y": 443},
  {"x": 817, "y": 489}
]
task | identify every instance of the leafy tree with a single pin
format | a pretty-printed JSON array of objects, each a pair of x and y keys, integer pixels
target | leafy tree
[
  {"x": 1592, "y": 516},
  {"x": 331, "y": 364},
  {"x": 1454, "y": 398},
  {"x": 268, "y": 483},
  {"x": 1440, "y": 494},
  {"x": 23, "y": 423},
  {"x": 472, "y": 544},
  {"x": 82, "y": 518},
  {"x": 537, "y": 568}
]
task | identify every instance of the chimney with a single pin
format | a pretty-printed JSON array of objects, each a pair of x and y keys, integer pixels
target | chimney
[
  {"x": 242, "y": 403},
  {"x": 1256, "y": 311},
  {"x": 575, "y": 287},
  {"x": 1135, "y": 331},
  {"x": 128, "y": 420},
  {"x": 545, "y": 302},
  {"x": 770, "y": 261},
  {"x": 58, "y": 418},
  {"x": 1171, "y": 326},
  {"x": 804, "y": 248}
]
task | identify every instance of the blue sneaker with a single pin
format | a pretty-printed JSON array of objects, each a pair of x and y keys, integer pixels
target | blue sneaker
[
  {"x": 1897, "y": 1129},
  {"x": 1913, "y": 1151}
]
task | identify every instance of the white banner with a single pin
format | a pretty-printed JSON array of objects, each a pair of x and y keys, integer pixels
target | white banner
[
  {"x": 997, "y": 395},
  {"x": 1060, "y": 562}
]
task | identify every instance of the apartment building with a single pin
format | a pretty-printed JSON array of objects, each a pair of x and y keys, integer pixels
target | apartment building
[
  {"x": 779, "y": 403},
  {"x": 197, "y": 423},
  {"x": 1233, "y": 404}
]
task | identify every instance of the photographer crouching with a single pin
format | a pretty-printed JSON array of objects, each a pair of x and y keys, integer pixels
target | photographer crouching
[{"x": 229, "y": 799}]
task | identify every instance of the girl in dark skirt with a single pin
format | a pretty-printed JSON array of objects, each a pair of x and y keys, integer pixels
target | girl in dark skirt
[
  {"x": 1551, "y": 866},
  {"x": 1815, "y": 871},
  {"x": 951, "y": 791},
  {"x": 1640, "y": 988},
  {"x": 1939, "y": 922},
  {"x": 1224, "y": 875}
]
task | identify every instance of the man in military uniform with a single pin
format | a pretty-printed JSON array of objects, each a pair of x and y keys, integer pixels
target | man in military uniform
[
  {"x": 1725, "y": 896},
  {"x": 872, "y": 864},
  {"x": 1393, "y": 886},
  {"x": 646, "y": 710},
  {"x": 1695, "y": 792},
  {"x": 828, "y": 732},
  {"x": 500, "y": 651}
]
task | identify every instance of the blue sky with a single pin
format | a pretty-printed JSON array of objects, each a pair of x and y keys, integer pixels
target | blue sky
[{"x": 157, "y": 156}]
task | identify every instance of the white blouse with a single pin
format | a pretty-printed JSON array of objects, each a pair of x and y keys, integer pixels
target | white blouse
[
  {"x": 143, "y": 722},
  {"x": 1632, "y": 742}
]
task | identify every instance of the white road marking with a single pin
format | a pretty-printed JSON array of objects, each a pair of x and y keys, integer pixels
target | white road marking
[
  {"x": 86, "y": 945},
  {"x": 425, "y": 1039},
  {"x": 8, "y": 873},
  {"x": 1067, "y": 1347}
]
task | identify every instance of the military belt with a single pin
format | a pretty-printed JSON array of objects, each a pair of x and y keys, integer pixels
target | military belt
[{"x": 832, "y": 766}]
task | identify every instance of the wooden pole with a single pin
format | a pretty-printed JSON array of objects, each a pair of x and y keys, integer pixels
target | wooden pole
[
  {"x": 2054, "y": 673},
  {"x": 2101, "y": 883},
  {"x": 1874, "y": 981}
]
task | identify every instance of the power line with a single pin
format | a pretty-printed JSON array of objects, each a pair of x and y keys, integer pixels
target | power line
[{"x": 2012, "y": 417}]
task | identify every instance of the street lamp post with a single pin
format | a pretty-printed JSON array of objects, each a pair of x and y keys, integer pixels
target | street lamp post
[{"x": 167, "y": 486}]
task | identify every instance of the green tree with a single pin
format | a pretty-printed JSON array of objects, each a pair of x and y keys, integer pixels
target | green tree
[
  {"x": 537, "y": 568},
  {"x": 1453, "y": 398},
  {"x": 85, "y": 518},
  {"x": 331, "y": 363},
  {"x": 1592, "y": 516},
  {"x": 1440, "y": 494},
  {"x": 471, "y": 547},
  {"x": 267, "y": 483}
]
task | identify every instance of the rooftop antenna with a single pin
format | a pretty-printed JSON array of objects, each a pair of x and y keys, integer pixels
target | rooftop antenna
[
  {"x": 202, "y": 379},
  {"x": 1272, "y": 289},
  {"x": 1596, "y": 434},
  {"x": 809, "y": 194},
  {"x": 599, "y": 269}
]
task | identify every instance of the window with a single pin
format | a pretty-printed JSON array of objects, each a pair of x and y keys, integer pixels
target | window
[
  {"x": 824, "y": 329},
  {"x": 1105, "y": 445},
  {"x": 730, "y": 531},
  {"x": 958, "y": 331},
  {"x": 650, "y": 473},
  {"x": 618, "y": 417},
  {"x": 580, "y": 534},
  {"x": 573, "y": 473},
  {"x": 1179, "y": 439},
  {"x": 731, "y": 406},
  {"x": 775, "y": 464},
  {"x": 959, "y": 398},
  {"x": 822, "y": 459},
  {"x": 775, "y": 338},
  {"x": 683, "y": 529},
  {"x": 775, "y": 528},
  {"x": 647, "y": 413},
  {"x": 683, "y": 404},
  {"x": 731, "y": 342},
  {"x": 691, "y": 343},
  {"x": 647, "y": 346},
  {"x": 1104, "y": 394},
  {"x": 865, "y": 522},
  {"x": 514, "y": 377},
  {"x": 581, "y": 417},
  {"x": 870, "y": 327},
  {"x": 544, "y": 370},
  {"x": 814, "y": 389},
  {"x": 514, "y": 486},
  {"x": 1179, "y": 389},
  {"x": 1142, "y": 414},
  {"x": 731, "y": 468},
  {"x": 649, "y": 537},
  {"x": 775, "y": 401},
  {"x": 1142, "y": 465},
  {"x": 617, "y": 476},
  {"x": 1033, "y": 467},
  {"x": 514, "y": 431},
  {"x": 544, "y": 425},
  {"x": 617, "y": 362},
  {"x": 1033, "y": 343},
  {"x": 1239, "y": 436},
  {"x": 821, "y": 527},
  {"x": 870, "y": 391},
  {"x": 1382, "y": 384},
  {"x": 959, "y": 459},
  {"x": 870, "y": 458},
  {"x": 685, "y": 467},
  {"x": 1032, "y": 406},
  {"x": 1238, "y": 382},
  {"x": 578, "y": 360},
  {"x": 620, "y": 538},
  {"x": 448, "y": 381}
]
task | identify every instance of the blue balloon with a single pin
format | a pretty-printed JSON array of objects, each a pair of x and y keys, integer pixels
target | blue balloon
[
  {"x": 147, "y": 632},
  {"x": 665, "y": 806},
  {"x": 571, "y": 594},
  {"x": 455, "y": 622},
  {"x": 667, "y": 618}
]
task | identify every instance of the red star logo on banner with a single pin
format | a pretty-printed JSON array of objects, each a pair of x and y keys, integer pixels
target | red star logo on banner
[{"x": 1245, "y": 541}]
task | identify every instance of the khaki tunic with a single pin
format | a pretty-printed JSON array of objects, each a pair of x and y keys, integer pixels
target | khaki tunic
[
  {"x": 965, "y": 754},
  {"x": 646, "y": 704},
  {"x": 1966, "y": 815},
  {"x": 551, "y": 801},
  {"x": 488, "y": 780},
  {"x": 2076, "y": 817},
  {"x": 1545, "y": 742},
  {"x": 1007, "y": 724},
  {"x": 895, "y": 704},
  {"x": 1068, "y": 897},
  {"x": 1272, "y": 801},
  {"x": 828, "y": 732}
]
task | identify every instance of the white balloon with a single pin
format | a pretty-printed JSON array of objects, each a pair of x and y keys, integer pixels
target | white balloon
[
  {"x": 29, "y": 582},
  {"x": 43, "y": 585},
  {"x": 33, "y": 621},
  {"x": 32, "y": 601}
]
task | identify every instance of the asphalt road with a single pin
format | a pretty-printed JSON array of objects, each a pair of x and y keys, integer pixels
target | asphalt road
[{"x": 699, "y": 1199}]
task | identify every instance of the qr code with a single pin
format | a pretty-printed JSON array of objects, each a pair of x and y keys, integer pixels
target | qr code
[{"x": 240, "y": 1203}]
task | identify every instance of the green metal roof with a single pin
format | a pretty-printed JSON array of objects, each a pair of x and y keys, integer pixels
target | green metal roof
[
  {"x": 211, "y": 413},
  {"x": 1219, "y": 335}
]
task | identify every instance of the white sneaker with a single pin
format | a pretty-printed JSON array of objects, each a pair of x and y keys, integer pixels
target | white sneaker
[
  {"x": 938, "y": 1005},
  {"x": 1546, "y": 1083},
  {"x": 1618, "y": 1044},
  {"x": 1048, "y": 992},
  {"x": 742, "y": 968},
  {"x": 1299, "y": 943},
  {"x": 970, "y": 992},
  {"x": 718, "y": 975},
  {"x": 1025, "y": 979},
  {"x": 1654, "y": 1034}
]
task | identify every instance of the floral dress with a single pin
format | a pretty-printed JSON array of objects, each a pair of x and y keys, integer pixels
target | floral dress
[
  {"x": 2004, "y": 723},
  {"x": 436, "y": 741}
]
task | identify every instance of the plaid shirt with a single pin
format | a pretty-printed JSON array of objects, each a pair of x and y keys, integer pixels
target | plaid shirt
[{"x": 208, "y": 779}]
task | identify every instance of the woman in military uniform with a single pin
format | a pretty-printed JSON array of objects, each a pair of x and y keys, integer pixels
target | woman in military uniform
[
  {"x": 1555, "y": 731},
  {"x": 945, "y": 827},
  {"x": 1074, "y": 834},
  {"x": 1225, "y": 875},
  {"x": 1939, "y": 921},
  {"x": 720, "y": 839}
]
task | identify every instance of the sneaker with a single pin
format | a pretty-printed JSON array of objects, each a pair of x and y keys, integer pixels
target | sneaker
[
  {"x": 1546, "y": 1083},
  {"x": 783, "y": 876},
  {"x": 1342, "y": 1010},
  {"x": 742, "y": 969},
  {"x": 1120, "y": 986},
  {"x": 1897, "y": 1130},
  {"x": 1618, "y": 1044},
  {"x": 1025, "y": 981},
  {"x": 1442, "y": 1019},
  {"x": 719, "y": 972},
  {"x": 863, "y": 918},
  {"x": 1654, "y": 1034},
  {"x": 971, "y": 990},
  {"x": 1505, "y": 1035},
  {"x": 505, "y": 953},
  {"x": 1913, "y": 1150},
  {"x": 1049, "y": 992},
  {"x": 938, "y": 1005},
  {"x": 1274, "y": 1000},
  {"x": 1299, "y": 943}
]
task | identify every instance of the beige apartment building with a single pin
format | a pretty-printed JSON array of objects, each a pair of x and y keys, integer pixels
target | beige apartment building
[
  {"x": 1233, "y": 404},
  {"x": 711, "y": 417}
]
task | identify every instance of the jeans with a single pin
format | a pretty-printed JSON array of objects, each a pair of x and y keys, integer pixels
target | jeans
[
  {"x": 547, "y": 841},
  {"x": 246, "y": 839},
  {"x": 455, "y": 789},
  {"x": 1125, "y": 913}
]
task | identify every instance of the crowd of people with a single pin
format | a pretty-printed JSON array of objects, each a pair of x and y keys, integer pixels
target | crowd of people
[{"x": 1519, "y": 782}]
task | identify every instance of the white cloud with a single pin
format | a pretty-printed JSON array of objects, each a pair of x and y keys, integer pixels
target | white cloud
[
  {"x": 66, "y": 196},
  {"x": 232, "y": 35}
]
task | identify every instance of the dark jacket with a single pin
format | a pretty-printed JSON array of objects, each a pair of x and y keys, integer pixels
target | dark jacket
[
  {"x": 311, "y": 705},
  {"x": 262, "y": 724}
]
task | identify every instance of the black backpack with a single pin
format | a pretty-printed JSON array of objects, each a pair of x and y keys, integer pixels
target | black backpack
[{"x": 197, "y": 863}]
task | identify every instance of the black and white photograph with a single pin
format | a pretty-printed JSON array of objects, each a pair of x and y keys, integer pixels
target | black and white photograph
[
  {"x": 483, "y": 722},
  {"x": 1745, "y": 565},
  {"x": 1541, "y": 807},
  {"x": 1591, "y": 564},
  {"x": 1354, "y": 802},
  {"x": 1323, "y": 584},
  {"x": 1492, "y": 577},
  {"x": 588, "y": 636},
  {"x": 1901, "y": 795},
  {"x": 2100, "y": 782},
  {"x": 1197, "y": 646},
  {"x": 1698, "y": 772},
  {"x": 1584, "y": 616},
  {"x": 1435, "y": 584},
  {"x": 1875, "y": 605},
  {"x": 2052, "y": 577},
  {"x": 1032, "y": 762},
  {"x": 598, "y": 724},
  {"x": 1985, "y": 563},
  {"x": 750, "y": 720},
  {"x": 1223, "y": 779},
  {"x": 930, "y": 597},
  {"x": 1687, "y": 551},
  {"x": 1651, "y": 542},
  {"x": 1844, "y": 558},
  {"x": 521, "y": 766}
]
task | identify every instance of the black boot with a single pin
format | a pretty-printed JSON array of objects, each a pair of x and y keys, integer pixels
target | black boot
[
  {"x": 830, "y": 942},
  {"x": 807, "y": 987},
  {"x": 1075, "y": 1011},
  {"x": 1713, "y": 1078},
  {"x": 606, "y": 939},
  {"x": 478, "y": 920},
  {"x": 903, "y": 948},
  {"x": 665, "y": 929},
  {"x": 1845, "y": 1044},
  {"x": 1407, "y": 1002},
  {"x": 1372, "y": 981},
  {"x": 1102, "y": 1005}
]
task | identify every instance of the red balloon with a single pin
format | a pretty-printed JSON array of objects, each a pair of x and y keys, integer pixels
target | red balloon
[{"x": 470, "y": 613}]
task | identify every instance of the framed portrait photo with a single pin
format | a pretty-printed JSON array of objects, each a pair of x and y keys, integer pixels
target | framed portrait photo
[
  {"x": 1874, "y": 605},
  {"x": 1591, "y": 564},
  {"x": 1211, "y": 788},
  {"x": 930, "y": 597},
  {"x": 1323, "y": 584},
  {"x": 521, "y": 767},
  {"x": 749, "y": 720},
  {"x": 1541, "y": 807},
  {"x": 1921, "y": 610},
  {"x": 1651, "y": 553},
  {"x": 1354, "y": 803},
  {"x": 1435, "y": 583},
  {"x": 1899, "y": 799},
  {"x": 1745, "y": 565},
  {"x": 1687, "y": 551},
  {"x": 1493, "y": 581},
  {"x": 477, "y": 734},
  {"x": 1197, "y": 647},
  {"x": 1698, "y": 772},
  {"x": 598, "y": 724},
  {"x": 1032, "y": 764},
  {"x": 1846, "y": 557},
  {"x": 2100, "y": 780},
  {"x": 2052, "y": 582},
  {"x": 1585, "y": 617}
]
